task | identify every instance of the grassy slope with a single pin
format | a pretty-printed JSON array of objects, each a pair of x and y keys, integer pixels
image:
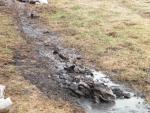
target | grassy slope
[
  {"x": 114, "y": 34},
  {"x": 25, "y": 96}
]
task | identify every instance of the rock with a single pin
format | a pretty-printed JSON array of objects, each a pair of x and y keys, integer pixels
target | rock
[
  {"x": 76, "y": 79},
  {"x": 73, "y": 86},
  {"x": 77, "y": 68},
  {"x": 96, "y": 91},
  {"x": 103, "y": 92},
  {"x": 96, "y": 99},
  {"x": 67, "y": 82},
  {"x": 85, "y": 88},
  {"x": 127, "y": 95},
  {"x": 61, "y": 85},
  {"x": 79, "y": 93},
  {"x": 120, "y": 94},
  {"x": 80, "y": 89},
  {"x": 75, "y": 91},
  {"x": 81, "y": 83},
  {"x": 55, "y": 52},
  {"x": 70, "y": 68},
  {"x": 61, "y": 77},
  {"x": 62, "y": 56}
]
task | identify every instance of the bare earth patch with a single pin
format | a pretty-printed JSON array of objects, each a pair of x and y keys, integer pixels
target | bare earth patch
[{"x": 25, "y": 96}]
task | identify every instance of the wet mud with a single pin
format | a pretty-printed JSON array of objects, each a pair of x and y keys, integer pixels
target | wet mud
[
  {"x": 32, "y": 57},
  {"x": 122, "y": 104},
  {"x": 60, "y": 74}
]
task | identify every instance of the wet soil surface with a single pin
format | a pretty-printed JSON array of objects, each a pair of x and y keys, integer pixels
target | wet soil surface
[
  {"x": 41, "y": 60},
  {"x": 35, "y": 65},
  {"x": 53, "y": 69}
]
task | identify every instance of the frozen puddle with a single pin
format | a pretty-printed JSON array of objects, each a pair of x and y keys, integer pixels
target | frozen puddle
[{"x": 132, "y": 105}]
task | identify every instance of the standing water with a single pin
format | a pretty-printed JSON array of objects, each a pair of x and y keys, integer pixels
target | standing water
[{"x": 131, "y": 105}]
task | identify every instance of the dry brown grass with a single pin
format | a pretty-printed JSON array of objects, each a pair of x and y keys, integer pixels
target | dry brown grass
[
  {"x": 114, "y": 34},
  {"x": 26, "y": 97}
]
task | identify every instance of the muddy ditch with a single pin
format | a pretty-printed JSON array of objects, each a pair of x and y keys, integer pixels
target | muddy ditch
[{"x": 60, "y": 74}]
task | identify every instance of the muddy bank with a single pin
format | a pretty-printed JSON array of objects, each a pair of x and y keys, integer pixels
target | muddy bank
[{"x": 57, "y": 71}]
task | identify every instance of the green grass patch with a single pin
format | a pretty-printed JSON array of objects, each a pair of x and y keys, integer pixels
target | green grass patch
[{"x": 76, "y": 7}]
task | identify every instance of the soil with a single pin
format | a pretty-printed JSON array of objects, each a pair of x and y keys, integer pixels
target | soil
[
  {"x": 36, "y": 68},
  {"x": 42, "y": 59},
  {"x": 30, "y": 62}
]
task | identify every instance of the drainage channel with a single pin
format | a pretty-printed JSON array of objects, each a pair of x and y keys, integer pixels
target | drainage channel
[{"x": 66, "y": 73}]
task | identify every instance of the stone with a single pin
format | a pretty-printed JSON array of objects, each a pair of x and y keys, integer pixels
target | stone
[
  {"x": 93, "y": 90},
  {"x": 127, "y": 95},
  {"x": 120, "y": 94},
  {"x": 103, "y": 92}
]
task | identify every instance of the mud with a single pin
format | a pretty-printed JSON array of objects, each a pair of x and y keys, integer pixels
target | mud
[
  {"x": 34, "y": 66},
  {"x": 133, "y": 104},
  {"x": 37, "y": 59},
  {"x": 53, "y": 68}
]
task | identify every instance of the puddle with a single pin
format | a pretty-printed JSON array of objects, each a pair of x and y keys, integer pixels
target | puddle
[{"x": 132, "y": 105}]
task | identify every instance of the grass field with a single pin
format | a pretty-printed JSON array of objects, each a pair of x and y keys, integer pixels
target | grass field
[{"x": 113, "y": 34}]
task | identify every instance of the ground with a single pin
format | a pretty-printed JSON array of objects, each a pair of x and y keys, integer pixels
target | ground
[
  {"x": 113, "y": 36},
  {"x": 26, "y": 97}
]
